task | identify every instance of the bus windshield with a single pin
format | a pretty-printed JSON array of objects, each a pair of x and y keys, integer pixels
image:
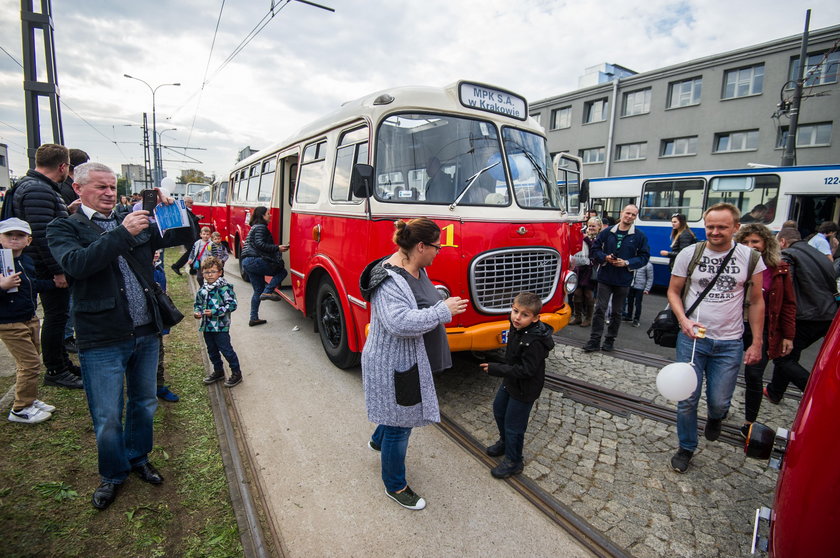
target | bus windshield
[
  {"x": 534, "y": 183},
  {"x": 433, "y": 158}
]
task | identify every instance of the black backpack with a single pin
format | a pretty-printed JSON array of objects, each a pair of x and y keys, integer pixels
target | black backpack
[{"x": 8, "y": 210}]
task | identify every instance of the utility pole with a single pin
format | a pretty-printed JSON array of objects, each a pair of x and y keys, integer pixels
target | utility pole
[
  {"x": 789, "y": 156},
  {"x": 31, "y": 21}
]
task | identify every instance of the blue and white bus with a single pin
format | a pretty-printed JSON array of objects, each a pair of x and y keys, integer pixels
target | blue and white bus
[{"x": 808, "y": 195}]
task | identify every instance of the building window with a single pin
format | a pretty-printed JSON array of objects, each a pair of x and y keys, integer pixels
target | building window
[
  {"x": 743, "y": 82},
  {"x": 631, "y": 151},
  {"x": 807, "y": 135},
  {"x": 636, "y": 102},
  {"x": 592, "y": 155},
  {"x": 736, "y": 141},
  {"x": 561, "y": 118},
  {"x": 3, "y": 161},
  {"x": 679, "y": 147},
  {"x": 595, "y": 111},
  {"x": 537, "y": 117},
  {"x": 821, "y": 69},
  {"x": 685, "y": 93}
]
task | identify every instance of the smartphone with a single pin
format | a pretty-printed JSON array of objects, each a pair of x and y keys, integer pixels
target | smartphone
[{"x": 150, "y": 200}]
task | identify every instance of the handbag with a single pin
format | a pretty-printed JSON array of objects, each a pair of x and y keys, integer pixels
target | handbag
[
  {"x": 169, "y": 313},
  {"x": 665, "y": 327}
]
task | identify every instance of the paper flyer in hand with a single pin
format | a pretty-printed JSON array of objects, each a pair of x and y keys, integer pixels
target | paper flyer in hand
[
  {"x": 173, "y": 216},
  {"x": 7, "y": 261}
]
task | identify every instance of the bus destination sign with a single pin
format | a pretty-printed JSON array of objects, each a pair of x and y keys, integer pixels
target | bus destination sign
[{"x": 485, "y": 98}]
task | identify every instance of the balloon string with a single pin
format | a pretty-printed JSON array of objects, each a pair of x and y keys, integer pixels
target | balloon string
[{"x": 694, "y": 346}]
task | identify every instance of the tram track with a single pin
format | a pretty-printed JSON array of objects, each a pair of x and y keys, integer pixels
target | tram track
[
  {"x": 656, "y": 361},
  {"x": 576, "y": 526}
]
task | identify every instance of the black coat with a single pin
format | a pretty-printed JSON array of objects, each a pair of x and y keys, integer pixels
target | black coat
[
  {"x": 524, "y": 368},
  {"x": 89, "y": 257},
  {"x": 20, "y": 306},
  {"x": 260, "y": 244},
  {"x": 38, "y": 201}
]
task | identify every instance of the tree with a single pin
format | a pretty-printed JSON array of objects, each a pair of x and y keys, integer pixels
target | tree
[
  {"x": 192, "y": 175},
  {"x": 123, "y": 187}
]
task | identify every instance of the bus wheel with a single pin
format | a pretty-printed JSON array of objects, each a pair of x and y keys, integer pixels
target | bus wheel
[{"x": 333, "y": 327}]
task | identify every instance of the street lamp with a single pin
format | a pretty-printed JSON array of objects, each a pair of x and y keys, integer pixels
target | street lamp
[{"x": 154, "y": 124}]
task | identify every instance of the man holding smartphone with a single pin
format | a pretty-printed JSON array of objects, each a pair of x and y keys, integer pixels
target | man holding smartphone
[
  {"x": 619, "y": 250},
  {"x": 109, "y": 258}
]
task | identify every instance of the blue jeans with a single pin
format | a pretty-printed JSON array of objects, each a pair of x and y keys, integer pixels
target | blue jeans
[
  {"x": 721, "y": 363},
  {"x": 257, "y": 269},
  {"x": 394, "y": 443},
  {"x": 104, "y": 371},
  {"x": 512, "y": 419},
  {"x": 219, "y": 342}
]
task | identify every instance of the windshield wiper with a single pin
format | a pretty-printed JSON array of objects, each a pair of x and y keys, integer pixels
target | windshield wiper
[{"x": 470, "y": 182}]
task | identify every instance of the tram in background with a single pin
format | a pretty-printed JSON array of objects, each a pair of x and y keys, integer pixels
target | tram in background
[
  {"x": 770, "y": 195},
  {"x": 467, "y": 156}
]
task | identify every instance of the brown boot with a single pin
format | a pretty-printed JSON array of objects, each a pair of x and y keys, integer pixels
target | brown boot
[
  {"x": 577, "y": 313},
  {"x": 589, "y": 306}
]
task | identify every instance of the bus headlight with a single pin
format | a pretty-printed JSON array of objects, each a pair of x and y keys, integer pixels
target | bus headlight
[
  {"x": 443, "y": 292},
  {"x": 571, "y": 282}
]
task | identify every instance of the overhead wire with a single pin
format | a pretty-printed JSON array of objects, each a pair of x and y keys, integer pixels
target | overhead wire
[{"x": 206, "y": 69}]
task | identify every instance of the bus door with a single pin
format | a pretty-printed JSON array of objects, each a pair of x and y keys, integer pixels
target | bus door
[
  {"x": 281, "y": 200},
  {"x": 219, "y": 210},
  {"x": 809, "y": 211}
]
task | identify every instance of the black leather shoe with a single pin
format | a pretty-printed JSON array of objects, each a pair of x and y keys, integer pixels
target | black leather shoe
[
  {"x": 252, "y": 323},
  {"x": 609, "y": 344},
  {"x": 148, "y": 473},
  {"x": 176, "y": 269},
  {"x": 496, "y": 449},
  {"x": 62, "y": 378},
  {"x": 104, "y": 495},
  {"x": 592, "y": 345}
]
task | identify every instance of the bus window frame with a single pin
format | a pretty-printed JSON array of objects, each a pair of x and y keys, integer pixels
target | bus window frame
[
  {"x": 346, "y": 141},
  {"x": 320, "y": 147},
  {"x": 670, "y": 210}
]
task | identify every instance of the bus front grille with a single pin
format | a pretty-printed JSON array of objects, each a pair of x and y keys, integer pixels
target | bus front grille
[{"x": 496, "y": 277}]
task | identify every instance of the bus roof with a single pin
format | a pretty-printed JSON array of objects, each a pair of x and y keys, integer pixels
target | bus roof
[
  {"x": 751, "y": 170},
  {"x": 372, "y": 106}
]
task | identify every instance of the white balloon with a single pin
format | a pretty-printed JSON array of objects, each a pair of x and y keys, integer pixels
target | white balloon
[
  {"x": 168, "y": 183},
  {"x": 676, "y": 381}
]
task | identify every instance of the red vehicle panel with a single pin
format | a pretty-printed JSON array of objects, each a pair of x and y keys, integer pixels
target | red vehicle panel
[{"x": 806, "y": 510}]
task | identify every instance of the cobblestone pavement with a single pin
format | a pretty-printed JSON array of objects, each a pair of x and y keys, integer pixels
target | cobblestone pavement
[{"x": 615, "y": 471}]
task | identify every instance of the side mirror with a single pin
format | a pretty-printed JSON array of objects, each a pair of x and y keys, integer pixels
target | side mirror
[
  {"x": 584, "y": 191},
  {"x": 361, "y": 180}
]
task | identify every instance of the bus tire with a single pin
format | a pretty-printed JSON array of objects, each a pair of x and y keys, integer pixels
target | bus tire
[{"x": 332, "y": 326}]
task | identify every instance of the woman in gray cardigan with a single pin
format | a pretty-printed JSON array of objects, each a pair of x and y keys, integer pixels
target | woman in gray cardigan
[{"x": 405, "y": 345}]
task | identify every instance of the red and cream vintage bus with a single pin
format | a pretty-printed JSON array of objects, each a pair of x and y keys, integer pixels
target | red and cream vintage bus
[
  {"x": 467, "y": 156},
  {"x": 210, "y": 206}
]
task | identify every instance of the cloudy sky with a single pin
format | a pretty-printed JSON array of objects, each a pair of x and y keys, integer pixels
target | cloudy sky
[{"x": 305, "y": 61}]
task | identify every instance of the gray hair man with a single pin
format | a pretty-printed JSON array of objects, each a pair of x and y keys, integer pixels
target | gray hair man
[{"x": 109, "y": 258}]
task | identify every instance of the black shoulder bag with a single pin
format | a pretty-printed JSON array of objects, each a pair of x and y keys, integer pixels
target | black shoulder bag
[{"x": 665, "y": 327}]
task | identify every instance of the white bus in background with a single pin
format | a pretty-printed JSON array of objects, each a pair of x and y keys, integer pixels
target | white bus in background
[{"x": 808, "y": 195}]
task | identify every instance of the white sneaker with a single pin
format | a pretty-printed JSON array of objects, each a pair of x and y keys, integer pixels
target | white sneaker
[
  {"x": 43, "y": 406},
  {"x": 29, "y": 415}
]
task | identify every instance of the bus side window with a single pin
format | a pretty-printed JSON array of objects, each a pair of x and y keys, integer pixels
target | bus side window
[
  {"x": 352, "y": 149},
  {"x": 663, "y": 198},
  {"x": 241, "y": 186},
  {"x": 221, "y": 193},
  {"x": 267, "y": 181},
  {"x": 253, "y": 183},
  {"x": 754, "y": 196},
  {"x": 311, "y": 173},
  {"x": 292, "y": 181}
]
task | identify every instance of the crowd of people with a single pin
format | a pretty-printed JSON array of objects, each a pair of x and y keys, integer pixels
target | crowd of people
[{"x": 744, "y": 295}]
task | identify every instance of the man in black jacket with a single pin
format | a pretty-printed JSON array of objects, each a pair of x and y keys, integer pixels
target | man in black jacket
[
  {"x": 814, "y": 284},
  {"x": 69, "y": 195},
  {"x": 38, "y": 201},
  {"x": 118, "y": 322}
]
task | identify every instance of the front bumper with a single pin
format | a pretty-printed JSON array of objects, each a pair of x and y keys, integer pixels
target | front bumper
[{"x": 488, "y": 336}]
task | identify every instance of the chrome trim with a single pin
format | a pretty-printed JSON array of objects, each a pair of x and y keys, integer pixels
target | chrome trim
[
  {"x": 499, "y": 275},
  {"x": 358, "y": 302},
  {"x": 297, "y": 273}
]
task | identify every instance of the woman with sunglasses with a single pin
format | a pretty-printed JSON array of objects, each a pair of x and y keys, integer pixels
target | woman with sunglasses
[
  {"x": 681, "y": 236},
  {"x": 405, "y": 345}
]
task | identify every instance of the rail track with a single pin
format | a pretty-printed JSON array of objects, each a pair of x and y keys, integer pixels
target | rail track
[
  {"x": 587, "y": 535},
  {"x": 654, "y": 360}
]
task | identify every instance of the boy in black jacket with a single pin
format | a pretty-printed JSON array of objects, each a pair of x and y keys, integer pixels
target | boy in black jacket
[
  {"x": 529, "y": 342},
  {"x": 19, "y": 326}
]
